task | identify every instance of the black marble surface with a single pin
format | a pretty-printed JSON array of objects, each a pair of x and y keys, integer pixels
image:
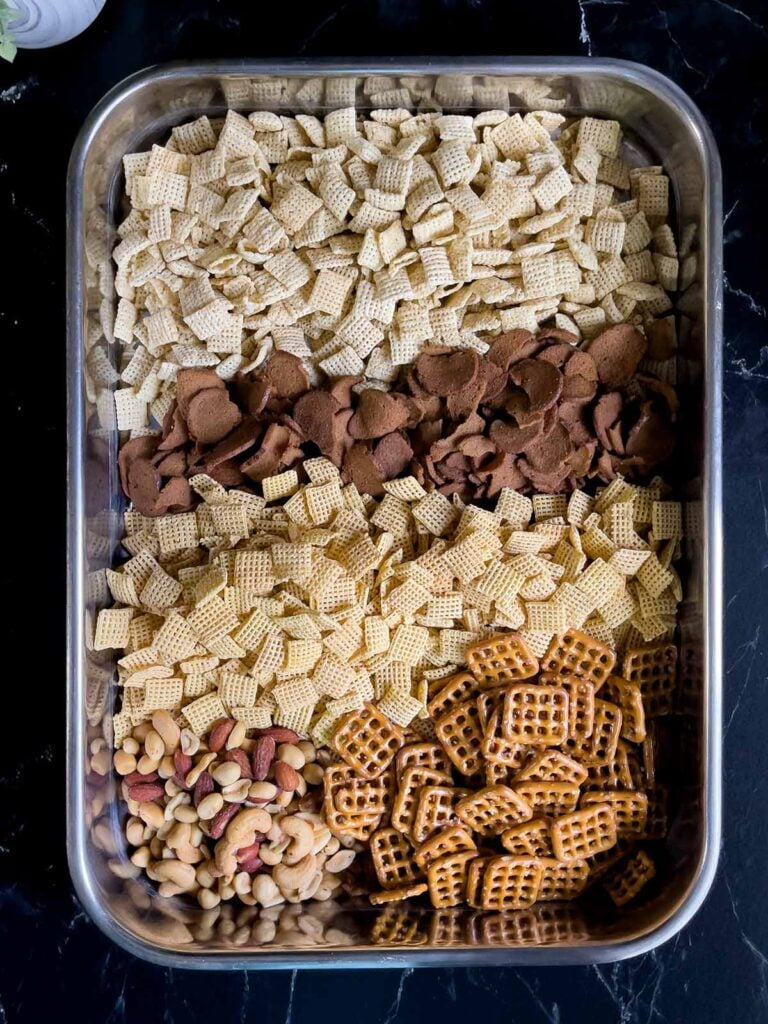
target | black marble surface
[{"x": 53, "y": 961}]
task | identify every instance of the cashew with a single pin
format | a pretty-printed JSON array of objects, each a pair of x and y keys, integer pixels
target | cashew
[
  {"x": 225, "y": 858},
  {"x": 254, "y": 819},
  {"x": 303, "y": 836},
  {"x": 297, "y": 876}
]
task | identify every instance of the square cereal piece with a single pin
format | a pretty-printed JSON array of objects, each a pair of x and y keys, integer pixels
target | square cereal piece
[
  {"x": 625, "y": 883},
  {"x": 447, "y": 878},
  {"x": 410, "y": 782},
  {"x": 203, "y": 712},
  {"x": 393, "y": 859},
  {"x": 528, "y": 839},
  {"x": 577, "y": 654},
  {"x": 460, "y": 733},
  {"x": 493, "y": 809},
  {"x": 501, "y": 659},
  {"x": 113, "y": 628},
  {"x": 561, "y": 881},
  {"x": 584, "y": 833},
  {"x": 654, "y": 669},
  {"x": 450, "y": 839},
  {"x": 435, "y": 807},
  {"x": 511, "y": 883},
  {"x": 367, "y": 741},
  {"x": 535, "y": 715}
]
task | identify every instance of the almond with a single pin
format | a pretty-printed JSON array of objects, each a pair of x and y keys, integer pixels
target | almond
[
  {"x": 240, "y": 758},
  {"x": 219, "y": 734},
  {"x": 222, "y": 819},
  {"x": 278, "y": 733},
  {"x": 203, "y": 787},
  {"x": 286, "y": 777},
  {"x": 146, "y": 792},
  {"x": 262, "y": 757}
]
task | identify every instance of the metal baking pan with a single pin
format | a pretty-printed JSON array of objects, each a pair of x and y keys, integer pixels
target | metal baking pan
[{"x": 663, "y": 124}]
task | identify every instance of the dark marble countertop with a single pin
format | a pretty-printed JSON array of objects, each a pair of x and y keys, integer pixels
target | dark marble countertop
[{"x": 52, "y": 959}]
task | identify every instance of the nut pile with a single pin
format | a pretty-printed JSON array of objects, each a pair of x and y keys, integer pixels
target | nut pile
[
  {"x": 228, "y": 815},
  {"x": 559, "y": 779},
  {"x": 536, "y": 414}
]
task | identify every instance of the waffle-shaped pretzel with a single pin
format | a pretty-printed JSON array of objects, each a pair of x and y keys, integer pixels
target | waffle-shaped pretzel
[
  {"x": 447, "y": 878},
  {"x": 407, "y": 796},
  {"x": 357, "y": 824},
  {"x": 393, "y": 860},
  {"x": 535, "y": 715},
  {"x": 451, "y": 839},
  {"x": 627, "y": 882},
  {"x": 577, "y": 654},
  {"x": 398, "y": 925},
  {"x": 501, "y": 659},
  {"x": 475, "y": 875},
  {"x": 581, "y": 702},
  {"x": 628, "y": 697},
  {"x": 613, "y": 774},
  {"x": 511, "y": 883},
  {"x": 584, "y": 833},
  {"x": 435, "y": 808},
  {"x": 601, "y": 863},
  {"x": 463, "y": 686},
  {"x": 497, "y": 774},
  {"x": 654, "y": 669},
  {"x": 489, "y": 811},
  {"x": 446, "y": 927},
  {"x": 562, "y": 881},
  {"x": 550, "y": 799},
  {"x": 556, "y": 923},
  {"x": 656, "y": 821},
  {"x": 461, "y": 736},
  {"x": 367, "y": 741},
  {"x": 602, "y": 744},
  {"x": 497, "y": 748},
  {"x": 360, "y": 796},
  {"x": 422, "y": 755},
  {"x": 487, "y": 702},
  {"x": 403, "y": 892},
  {"x": 630, "y": 808},
  {"x": 529, "y": 839},
  {"x": 552, "y": 766}
]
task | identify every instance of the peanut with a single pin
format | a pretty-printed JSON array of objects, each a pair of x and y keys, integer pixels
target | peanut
[
  {"x": 339, "y": 861},
  {"x": 208, "y": 899},
  {"x": 167, "y": 729},
  {"x": 124, "y": 762},
  {"x": 237, "y": 735},
  {"x": 292, "y": 755},
  {"x": 154, "y": 746},
  {"x": 226, "y": 773},
  {"x": 130, "y": 745},
  {"x": 262, "y": 791},
  {"x": 210, "y": 806},
  {"x": 313, "y": 774}
]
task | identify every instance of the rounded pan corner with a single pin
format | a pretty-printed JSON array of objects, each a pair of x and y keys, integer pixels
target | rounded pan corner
[{"x": 100, "y": 916}]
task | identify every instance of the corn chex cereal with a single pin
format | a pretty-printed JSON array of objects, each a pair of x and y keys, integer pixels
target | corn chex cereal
[{"x": 319, "y": 638}]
